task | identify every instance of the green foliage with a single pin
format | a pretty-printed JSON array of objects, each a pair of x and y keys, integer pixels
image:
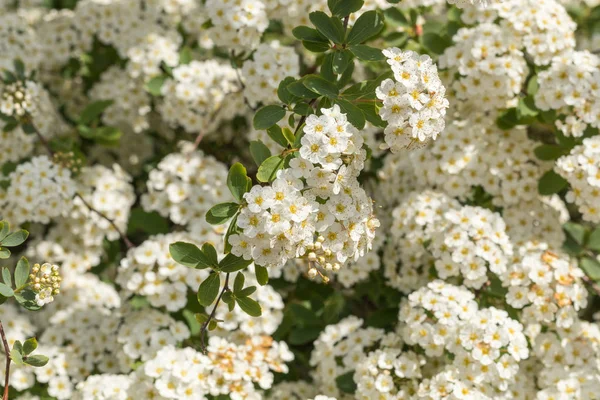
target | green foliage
[
  {"x": 209, "y": 289},
  {"x": 221, "y": 213},
  {"x": 233, "y": 263},
  {"x": 268, "y": 169},
  {"x": 366, "y": 26},
  {"x": 238, "y": 181},
  {"x": 190, "y": 255},
  {"x": 330, "y": 27},
  {"x": 551, "y": 183}
]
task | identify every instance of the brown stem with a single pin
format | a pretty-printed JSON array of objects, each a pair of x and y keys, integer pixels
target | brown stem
[
  {"x": 592, "y": 285},
  {"x": 110, "y": 221},
  {"x": 212, "y": 314},
  {"x": 7, "y": 372},
  {"x": 346, "y": 19},
  {"x": 44, "y": 141}
]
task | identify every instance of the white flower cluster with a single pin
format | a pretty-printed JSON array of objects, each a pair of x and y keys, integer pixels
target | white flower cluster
[
  {"x": 39, "y": 191},
  {"x": 292, "y": 390},
  {"x": 138, "y": 30},
  {"x": 484, "y": 343},
  {"x": 474, "y": 242},
  {"x": 236, "y": 24},
  {"x": 108, "y": 191},
  {"x": 572, "y": 86},
  {"x": 547, "y": 286},
  {"x": 281, "y": 220},
  {"x": 569, "y": 362},
  {"x": 491, "y": 65},
  {"x": 60, "y": 39},
  {"x": 270, "y": 64},
  {"x": 476, "y": 3},
  {"x": 18, "y": 41},
  {"x": 581, "y": 168},
  {"x": 414, "y": 102},
  {"x": 474, "y": 152},
  {"x": 229, "y": 368},
  {"x": 148, "y": 270},
  {"x": 104, "y": 387},
  {"x": 545, "y": 27},
  {"x": 184, "y": 186},
  {"x": 415, "y": 221},
  {"x": 200, "y": 95},
  {"x": 340, "y": 349},
  {"x": 131, "y": 106}
]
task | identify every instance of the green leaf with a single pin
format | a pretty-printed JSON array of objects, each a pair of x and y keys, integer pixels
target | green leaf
[
  {"x": 321, "y": 86},
  {"x": 342, "y": 8},
  {"x": 237, "y": 181},
  {"x": 366, "y": 26},
  {"x": 93, "y": 111},
  {"x": 185, "y": 56},
  {"x": 209, "y": 289},
  {"x": 246, "y": 292},
  {"x": 238, "y": 283},
  {"x": 37, "y": 360},
  {"x": 15, "y": 353},
  {"x": 365, "y": 89},
  {"x": 189, "y": 255},
  {"x": 233, "y": 263},
  {"x": 268, "y": 116},
  {"x": 549, "y": 152},
  {"x": 229, "y": 299},
  {"x": 594, "y": 240},
  {"x": 211, "y": 254},
  {"x": 262, "y": 275},
  {"x": 354, "y": 114},
  {"x": 6, "y": 291},
  {"x": 309, "y": 34},
  {"x": 315, "y": 47},
  {"x": 268, "y": 169},
  {"x": 275, "y": 132},
  {"x": 372, "y": 114},
  {"x": 298, "y": 89},
  {"x": 576, "y": 231},
  {"x": 29, "y": 346},
  {"x": 508, "y": 119},
  {"x": 15, "y": 238},
  {"x": 249, "y": 306},
  {"x": 21, "y": 272},
  {"x": 329, "y": 27},
  {"x": 26, "y": 298},
  {"x": 333, "y": 307},
  {"x": 19, "y": 68},
  {"x": 202, "y": 317},
  {"x": 4, "y": 229},
  {"x": 341, "y": 60},
  {"x": 289, "y": 136},
  {"x": 151, "y": 223},
  {"x": 283, "y": 93},
  {"x": 259, "y": 151},
  {"x": 435, "y": 43},
  {"x": 346, "y": 382},
  {"x": 367, "y": 53},
  {"x": 4, "y": 254},
  {"x": 230, "y": 231},
  {"x": 591, "y": 268},
  {"x": 304, "y": 335},
  {"x": 212, "y": 325},
  {"x": 6, "y": 277},
  {"x": 221, "y": 213},
  {"x": 396, "y": 16},
  {"x": 303, "y": 109},
  {"x": 154, "y": 85},
  {"x": 551, "y": 183},
  {"x": 526, "y": 109}
]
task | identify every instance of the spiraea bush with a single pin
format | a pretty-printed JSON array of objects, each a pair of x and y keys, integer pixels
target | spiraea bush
[{"x": 310, "y": 199}]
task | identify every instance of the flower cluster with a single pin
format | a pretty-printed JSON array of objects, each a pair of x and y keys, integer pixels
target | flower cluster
[
  {"x": 45, "y": 281},
  {"x": 184, "y": 186},
  {"x": 484, "y": 342},
  {"x": 281, "y": 221},
  {"x": 571, "y": 86},
  {"x": 269, "y": 65},
  {"x": 39, "y": 191},
  {"x": 200, "y": 95},
  {"x": 490, "y": 64},
  {"x": 149, "y": 270},
  {"x": 414, "y": 102},
  {"x": 546, "y": 286},
  {"x": 339, "y": 349},
  {"x": 581, "y": 168}
]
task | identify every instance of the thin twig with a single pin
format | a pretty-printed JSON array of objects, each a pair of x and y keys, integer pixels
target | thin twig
[
  {"x": 346, "y": 19},
  {"x": 7, "y": 372},
  {"x": 591, "y": 284},
  {"x": 110, "y": 221},
  {"x": 44, "y": 141},
  {"x": 212, "y": 314}
]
